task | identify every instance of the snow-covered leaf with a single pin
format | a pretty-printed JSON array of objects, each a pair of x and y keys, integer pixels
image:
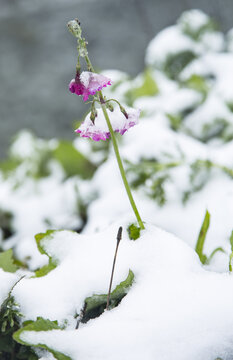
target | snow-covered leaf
[
  {"x": 148, "y": 87},
  {"x": 96, "y": 304},
  {"x": 72, "y": 161},
  {"x": 41, "y": 240},
  {"x": 36, "y": 326}
]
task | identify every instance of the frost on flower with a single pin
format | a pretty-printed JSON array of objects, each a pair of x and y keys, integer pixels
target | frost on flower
[
  {"x": 88, "y": 83},
  {"x": 99, "y": 130}
]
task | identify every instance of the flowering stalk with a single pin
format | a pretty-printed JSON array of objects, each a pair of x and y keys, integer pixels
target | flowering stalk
[
  {"x": 120, "y": 164},
  {"x": 89, "y": 86}
]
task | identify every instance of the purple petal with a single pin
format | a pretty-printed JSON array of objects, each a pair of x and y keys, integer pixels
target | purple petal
[{"x": 98, "y": 131}]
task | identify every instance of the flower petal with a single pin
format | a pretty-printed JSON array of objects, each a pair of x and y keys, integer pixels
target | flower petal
[
  {"x": 99, "y": 130},
  {"x": 88, "y": 83}
]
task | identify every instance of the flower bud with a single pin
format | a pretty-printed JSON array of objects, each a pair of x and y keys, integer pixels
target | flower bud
[
  {"x": 93, "y": 115},
  {"x": 109, "y": 106},
  {"x": 124, "y": 111},
  {"x": 75, "y": 28}
]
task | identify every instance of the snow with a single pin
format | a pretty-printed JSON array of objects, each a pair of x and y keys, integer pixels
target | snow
[
  {"x": 7, "y": 280},
  {"x": 41, "y": 204},
  {"x": 178, "y": 100},
  {"x": 168, "y": 310},
  {"x": 26, "y": 145},
  {"x": 212, "y": 109},
  {"x": 99, "y": 129},
  {"x": 37, "y": 204},
  {"x": 230, "y": 40},
  {"x": 218, "y": 65},
  {"x": 213, "y": 41},
  {"x": 115, "y": 75},
  {"x": 80, "y": 258},
  {"x": 174, "y": 39},
  {"x": 161, "y": 141},
  {"x": 168, "y": 42},
  {"x": 195, "y": 19},
  {"x": 166, "y": 145},
  {"x": 177, "y": 307}
]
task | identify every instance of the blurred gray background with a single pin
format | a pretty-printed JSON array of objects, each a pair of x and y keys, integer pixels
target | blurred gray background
[{"x": 38, "y": 54}]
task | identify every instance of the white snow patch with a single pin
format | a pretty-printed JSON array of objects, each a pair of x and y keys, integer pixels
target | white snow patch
[
  {"x": 174, "y": 306},
  {"x": 168, "y": 42}
]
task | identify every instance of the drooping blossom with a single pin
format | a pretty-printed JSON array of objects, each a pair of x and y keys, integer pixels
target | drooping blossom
[
  {"x": 88, "y": 83},
  {"x": 99, "y": 130}
]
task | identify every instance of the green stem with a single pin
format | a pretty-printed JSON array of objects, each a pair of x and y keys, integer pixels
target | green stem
[
  {"x": 89, "y": 64},
  {"x": 120, "y": 165},
  {"x": 116, "y": 150}
]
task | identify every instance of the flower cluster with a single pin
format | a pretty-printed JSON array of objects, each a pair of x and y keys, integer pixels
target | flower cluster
[
  {"x": 99, "y": 129},
  {"x": 97, "y": 125},
  {"x": 88, "y": 83}
]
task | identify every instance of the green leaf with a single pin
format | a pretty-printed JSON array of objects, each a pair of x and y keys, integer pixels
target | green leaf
[
  {"x": 201, "y": 238},
  {"x": 122, "y": 289},
  {"x": 197, "y": 83},
  {"x": 8, "y": 166},
  {"x": 96, "y": 304},
  {"x": 6, "y": 218},
  {"x": 5, "y": 344},
  {"x": 148, "y": 88},
  {"x": 9, "y": 323},
  {"x": 40, "y": 325},
  {"x": 26, "y": 353},
  {"x": 175, "y": 121},
  {"x": 230, "y": 105},
  {"x": 41, "y": 238},
  {"x": 175, "y": 63},
  {"x": 231, "y": 240},
  {"x": 231, "y": 255},
  {"x": 215, "y": 128},
  {"x": 45, "y": 269},
  {"x": 157, "y": 173},
  {"x": 218, "y": 249},
  {"x": 48, "y": 235},
  {"x": 7, "y": 261},
  {"x": 134, "y": 231},
  {"x": 195, "y": 32},
  {"x": 230, "y": 261},
  {"x": 72, "y": 161}
]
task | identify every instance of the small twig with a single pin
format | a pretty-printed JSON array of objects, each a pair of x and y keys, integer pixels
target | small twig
[
  {"x": 81, "y": 315},
  {"x": 119, "y": 235}
]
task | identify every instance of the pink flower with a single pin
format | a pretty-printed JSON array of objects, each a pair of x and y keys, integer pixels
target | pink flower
[
  {"x": 88, "y": 83},
  {"x": 99, "y": 130}
]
